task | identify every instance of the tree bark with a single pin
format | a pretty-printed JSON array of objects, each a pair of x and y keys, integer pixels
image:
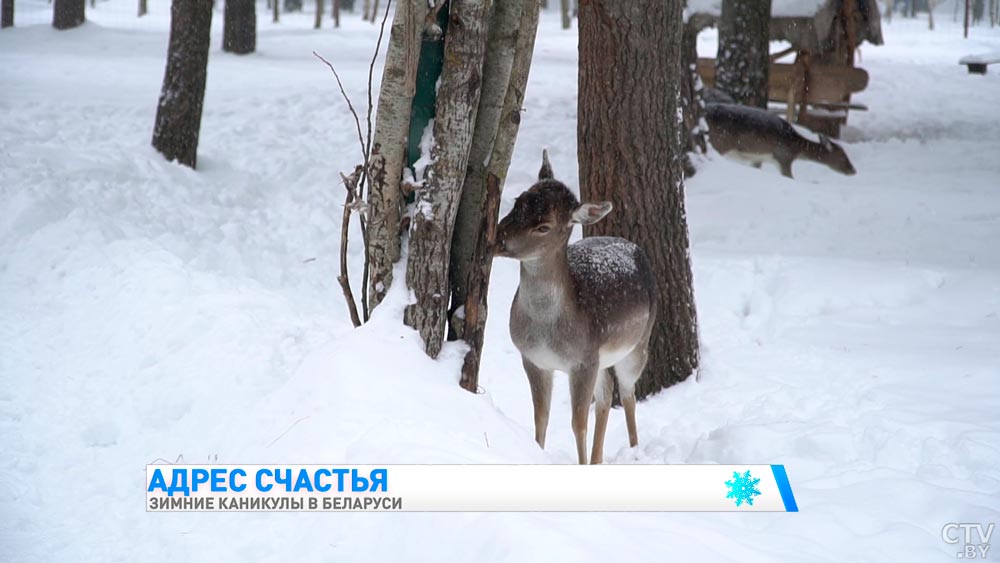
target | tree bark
[
  {"x": 478, "y": 280},
  {"x": 500, "y": 49},
  {"x": 7, "y": 14},
  {"x": 335, "y": 13},
  {"x": 742, "y": 65},
  {"x": 239, "y": 29},
  {"x": 564, "y": 9},
  {"x": 629, "y": 150},
  {"x": 388, "y": 154},
  {"x": 67, "y": 14},
  {"x": 366, "y": 9},
  {"x": 143, "y": 8},
  {"x": 318, "y": 23},
  {"x": 293, "y": 5},
  {"x": 274, "y": 11},
  {"x": 178, "y": 114},
  {"x": 437, "y": 200}
]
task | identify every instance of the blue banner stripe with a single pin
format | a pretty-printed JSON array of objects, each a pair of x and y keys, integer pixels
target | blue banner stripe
[{"x": 781, "y": 478}]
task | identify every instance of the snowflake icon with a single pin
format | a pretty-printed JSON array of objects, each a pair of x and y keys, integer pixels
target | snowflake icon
[{"x": 743, "y": 488}]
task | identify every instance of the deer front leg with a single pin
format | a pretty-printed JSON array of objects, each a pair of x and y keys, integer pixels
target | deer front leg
[
  {"x": 581, "y": 391},
  {"x": 602, "y": 407},
  {"x": 540, "y": 381}
]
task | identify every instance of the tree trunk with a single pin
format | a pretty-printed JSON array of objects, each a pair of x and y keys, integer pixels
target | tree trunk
[
  {"x": 742, "y": 65},
  {"x": 366, "y": 9},
  {"x": 375, "y": 12},
  {"x": 629, "y": 150},
  {"x": 564, "y": 9},
  {"x": 509, "y": 121},
  {"x": 274, "y": 11},
  {"x": 7, "y": 14},
  {"x": 437, "y": 200},
  {"x": 388, "y": 155},
  {"x": 67, "y": 14},
  {"x": 500, "y": 49},
  {"x": 143, "y": 8},
  {"x": 318, "y": 23},
  {"x": 293, "y": 5},
  {"x": 335, "y": 13},
  {"x": 239, "y": 29},
  {"x": 178, "y": 114}
]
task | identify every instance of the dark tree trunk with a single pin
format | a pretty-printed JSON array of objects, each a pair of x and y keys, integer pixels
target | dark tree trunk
[
  {"x": 293, "y": 5},
  {"x": 742, "y": 64},
  {"x": 318, "y": 22},
  {"x": 67, "y": 14},
  {"x": 239, "y": 27},
  {"x": 629, "y": 141},
  {"x": 178, "y": 115},
  {"x": 7, "y": 13},
  {"x": 143, "y": 8},
  {"x": 335, "y": 13}
]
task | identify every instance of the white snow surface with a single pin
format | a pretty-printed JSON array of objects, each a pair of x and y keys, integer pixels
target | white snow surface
[{"x": 850, "y": 326}]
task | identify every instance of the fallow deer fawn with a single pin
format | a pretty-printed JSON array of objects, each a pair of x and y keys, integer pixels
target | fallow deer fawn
[
  {"x": 579, "y": 309},
  {"x": 756, "y": 135}
]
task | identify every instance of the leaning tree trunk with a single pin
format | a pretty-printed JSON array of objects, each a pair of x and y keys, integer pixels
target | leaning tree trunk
[
  {"x": 437, "y": 200},
  {"x": 7, "y": 14},
  {"x": 509, "y": 120},
  {"x": 239, "y": 29},
  {"x": 388, "y": 154},
  {"x": 742, "y": 65},
  {"x": 67, "y": 14},
  {"x": 629, "y": 150},
  {"x": 178, "y": 115},
  {"x": 500, "y": 48}
]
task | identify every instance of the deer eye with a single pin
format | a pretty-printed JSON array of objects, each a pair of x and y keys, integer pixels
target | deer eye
[{"x": 542, "y": 229}]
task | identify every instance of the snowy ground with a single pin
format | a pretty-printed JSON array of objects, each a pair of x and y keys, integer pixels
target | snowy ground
[{"x": 850, "y": 325}]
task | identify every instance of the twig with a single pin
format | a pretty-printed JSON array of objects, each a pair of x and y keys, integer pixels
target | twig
[
  {"x": 345, "y": 282},
  {"x": 350, "y": 106},
  {"x": 282, "y": 435}
]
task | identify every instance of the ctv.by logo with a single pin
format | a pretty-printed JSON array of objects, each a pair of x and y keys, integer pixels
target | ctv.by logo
[{"x": 975, "y": 546}]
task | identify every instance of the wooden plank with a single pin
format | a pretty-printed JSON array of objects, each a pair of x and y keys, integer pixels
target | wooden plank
[{"x": 827, "y": 83}]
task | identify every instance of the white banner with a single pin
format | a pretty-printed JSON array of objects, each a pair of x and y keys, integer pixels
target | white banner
[{"x": 469, "y": 488}]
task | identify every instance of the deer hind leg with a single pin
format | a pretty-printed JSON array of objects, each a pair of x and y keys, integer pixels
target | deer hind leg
[
  {"x": 581, "y": 391},
  {"x": 602, "y": 399},
  {"x": 540, "y": 381},
  {"x": 628, "y": 371}
]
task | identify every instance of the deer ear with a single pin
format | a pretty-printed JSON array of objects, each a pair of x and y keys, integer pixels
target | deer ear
[{"x": 590, "y": 213}]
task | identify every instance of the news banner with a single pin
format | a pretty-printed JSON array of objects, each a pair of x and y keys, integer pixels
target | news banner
[{"x": 468, "y": 488}]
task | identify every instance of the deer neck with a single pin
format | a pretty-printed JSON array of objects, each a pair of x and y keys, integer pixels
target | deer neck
[
  {"x": 545, "y": 283},
  {"x": 811, "y": 150}
]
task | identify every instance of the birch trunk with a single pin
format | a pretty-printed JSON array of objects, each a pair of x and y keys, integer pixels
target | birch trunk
[
  {"x": 496, "y": 173},
  {"x": 500, "y": 49},
  {"x": 392, "y": 125},
  {"x": 437, "y": 201}
]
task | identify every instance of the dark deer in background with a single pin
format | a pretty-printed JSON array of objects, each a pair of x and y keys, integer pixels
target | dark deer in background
[
  {"x": 756, "y": 135},
  {"x": 579, "y": 309}
]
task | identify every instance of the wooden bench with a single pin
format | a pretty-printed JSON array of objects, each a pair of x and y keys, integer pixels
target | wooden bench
[
  {"x": 977, "y": 63},
  {"x": 815, "y": 96}
]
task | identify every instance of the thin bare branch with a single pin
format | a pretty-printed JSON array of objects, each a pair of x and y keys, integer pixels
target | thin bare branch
[
  {"x": 350, "y": 182},
  {"x": 350, "y": 106}
]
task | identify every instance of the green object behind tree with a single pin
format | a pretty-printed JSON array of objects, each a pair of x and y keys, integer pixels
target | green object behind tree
[{"x": 425, "y": 98}]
